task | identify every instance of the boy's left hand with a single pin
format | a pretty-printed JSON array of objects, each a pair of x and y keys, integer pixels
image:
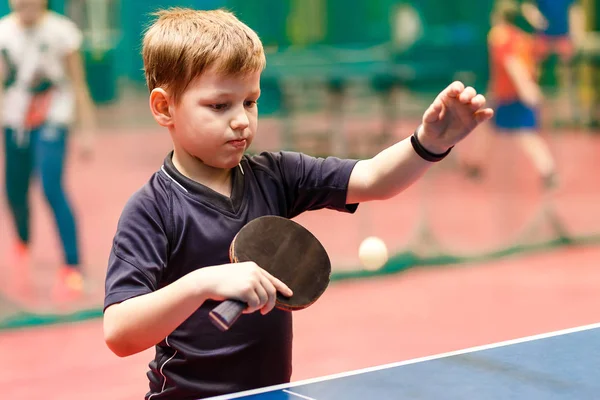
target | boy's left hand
[{"x": 454, "y": 113}]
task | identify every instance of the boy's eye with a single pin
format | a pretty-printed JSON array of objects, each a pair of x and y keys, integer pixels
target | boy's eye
[
  {"x": 219, "y": 107},
  {"x": 249, "y": 103}
]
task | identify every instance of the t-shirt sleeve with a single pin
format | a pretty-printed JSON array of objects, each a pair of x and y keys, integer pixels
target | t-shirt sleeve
[
  {"x": 71, "y": 37},
  {"x": 139, "y": 252},
  {"x": 312, "y": 183}
]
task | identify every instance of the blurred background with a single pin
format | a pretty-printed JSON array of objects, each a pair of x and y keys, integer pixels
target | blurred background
[{"x": 475, "y": 256}]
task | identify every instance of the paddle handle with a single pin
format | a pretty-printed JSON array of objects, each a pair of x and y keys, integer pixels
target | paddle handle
[{"x": 225, "y": 314}]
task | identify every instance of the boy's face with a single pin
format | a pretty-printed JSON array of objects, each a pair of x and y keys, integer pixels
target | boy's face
[
  {"x": 216, "y": 118},
  {"x": 28, "y": 11}
]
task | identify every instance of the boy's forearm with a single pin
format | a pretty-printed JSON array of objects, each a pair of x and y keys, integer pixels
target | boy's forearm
[
  {"x": 141, "y": 322},
  {"x": 527, "y": 89},
  {"x": 533, "y": 15},
  {"x": 529, "y": 92},
  {"x": 85, "y": 105},
  {"x": 85, "y": 109},
  {"x": 388, "y": 173},
  {"x": 577, "y": 23}
]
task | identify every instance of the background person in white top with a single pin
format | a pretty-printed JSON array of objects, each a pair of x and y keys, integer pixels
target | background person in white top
[{"x": 43, "y": 86}]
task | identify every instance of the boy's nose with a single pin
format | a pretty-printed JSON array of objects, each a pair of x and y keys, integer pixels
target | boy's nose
[{"x": 240, "y": 121}]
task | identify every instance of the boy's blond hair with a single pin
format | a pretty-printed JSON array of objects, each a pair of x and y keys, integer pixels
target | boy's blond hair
[{"x": 183, "y": 43}]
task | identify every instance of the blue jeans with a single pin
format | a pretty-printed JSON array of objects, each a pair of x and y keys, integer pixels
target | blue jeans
[{"x": 42, "y": 151}]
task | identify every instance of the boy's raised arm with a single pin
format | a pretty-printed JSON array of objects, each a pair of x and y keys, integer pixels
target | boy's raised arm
[{"x": 453, "y": 115}]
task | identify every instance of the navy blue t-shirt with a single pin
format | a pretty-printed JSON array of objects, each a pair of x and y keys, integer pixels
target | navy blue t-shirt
[{"x": 173, "y": 226}]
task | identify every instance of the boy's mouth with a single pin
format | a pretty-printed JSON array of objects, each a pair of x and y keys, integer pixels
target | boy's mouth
[{"x": 239, "y": 143}]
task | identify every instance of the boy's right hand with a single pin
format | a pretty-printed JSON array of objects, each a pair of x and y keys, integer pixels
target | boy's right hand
[{"x": 246, "y": 282}]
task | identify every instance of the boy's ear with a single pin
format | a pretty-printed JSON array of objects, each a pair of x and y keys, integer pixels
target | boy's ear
[{"x": 159, "y": 106}]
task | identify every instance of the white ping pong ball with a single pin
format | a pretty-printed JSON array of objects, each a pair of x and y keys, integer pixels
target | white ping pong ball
[{"x": 373, "y": 253}]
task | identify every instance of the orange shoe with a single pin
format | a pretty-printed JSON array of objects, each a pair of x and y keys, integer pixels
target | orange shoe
[{"x": 70, "y": 285}]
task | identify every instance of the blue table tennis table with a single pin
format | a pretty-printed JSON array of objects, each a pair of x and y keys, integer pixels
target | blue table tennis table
[{"x": 556, "y": 365}]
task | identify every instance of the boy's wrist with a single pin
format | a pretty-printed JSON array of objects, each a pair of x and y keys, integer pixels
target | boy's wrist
[
  {"x": 197, "y": 285},
  {"x": 431, "y": 146}
]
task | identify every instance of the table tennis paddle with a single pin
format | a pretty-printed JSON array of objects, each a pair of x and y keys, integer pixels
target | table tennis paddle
[{"x": 286, "y": 250}]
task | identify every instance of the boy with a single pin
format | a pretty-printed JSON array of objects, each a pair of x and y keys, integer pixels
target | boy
[
  {"x": 42, "y": 86},
  {"x": 169, "y": 263}
]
